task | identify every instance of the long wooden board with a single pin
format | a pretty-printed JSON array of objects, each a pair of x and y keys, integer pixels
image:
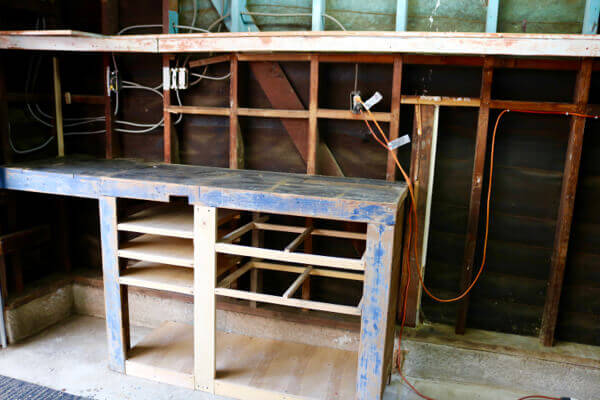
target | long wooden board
[{"x": 160, "y": 249}]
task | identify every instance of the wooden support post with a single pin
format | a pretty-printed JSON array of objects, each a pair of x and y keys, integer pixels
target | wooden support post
[
  {"x": 422, "y": 166},
  {"x": 491, "y": 18},
  {"x": 567, "y": 203},
  {"x": 169, "y": 16},
  {"x": 590, "y": 17},
  {"x": 167, "y": 145},
  {"x": 318, "y": 9},
  {"x": 476, "y": 186},
  {"x": 235, "y": 142},
  {"x": 205, "y": 271},
  {"x": 313, "y": 137},
  {"x": 395, "y": 117},
  {"x": 375, "y": 352},
  {"x": 110, "y": 25},
  {"x": 115, "y": 296},
  {"x": 258, "y": 238},
  {"x": 58, "y": 117}
]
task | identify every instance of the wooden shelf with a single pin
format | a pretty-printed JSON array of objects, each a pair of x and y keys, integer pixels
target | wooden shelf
[
  {"x": 167, "y": 221},
  {"x": 160, "y": 249},
  {"x": 175, "y": 221},
  {"x": 170, "y": 278},
  {"x": 165, "y": 355},
  {"x": 252, "y": 368},
  {"x": 159, "y": 276}
]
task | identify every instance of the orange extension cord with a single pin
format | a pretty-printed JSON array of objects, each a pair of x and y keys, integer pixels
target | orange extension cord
[{"x": 413, "y": 229}]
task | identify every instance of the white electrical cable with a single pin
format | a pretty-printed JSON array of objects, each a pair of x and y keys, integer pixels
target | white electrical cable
[
  {"x": 212, "y": 78},
  {"x": 128, "y": 28},
  {"x": 127, "y": 85},
  {"x": 191, "y": 28}
]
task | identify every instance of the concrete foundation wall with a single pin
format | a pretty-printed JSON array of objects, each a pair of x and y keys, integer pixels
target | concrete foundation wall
[{"x": 436, "y": 367}]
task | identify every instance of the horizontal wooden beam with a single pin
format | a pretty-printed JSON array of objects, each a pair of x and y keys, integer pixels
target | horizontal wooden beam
[
  {"x": 300, "y": 258},
  {"x": 210, "y": 61},
  {"x": 315, "y": 232},
  {"x": 434, "y": 43},
  {"x": 328, "y": 273},
  {"x": 299, "y": 303}
]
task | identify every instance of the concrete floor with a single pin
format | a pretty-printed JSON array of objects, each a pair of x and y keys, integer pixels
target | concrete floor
[{"x": 71, "y": 356}]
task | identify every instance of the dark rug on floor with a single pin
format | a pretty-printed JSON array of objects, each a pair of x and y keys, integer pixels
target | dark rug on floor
[{"x": 14, "y": 389}]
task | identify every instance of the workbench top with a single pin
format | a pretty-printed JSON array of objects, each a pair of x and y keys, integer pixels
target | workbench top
[{"x": 354, "y": 199}]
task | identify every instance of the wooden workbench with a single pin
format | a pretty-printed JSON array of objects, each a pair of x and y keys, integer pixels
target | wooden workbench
[{"x": 177, "y": 251}]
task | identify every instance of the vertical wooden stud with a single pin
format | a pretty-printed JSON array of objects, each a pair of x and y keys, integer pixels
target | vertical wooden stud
[
  {"x": 476, "y": 186},
  {"x": 424, "y": 139},
  {"x": 374, "y": 352},
  {"x": 258, "y": 238},
  {"x": 117, "y": 317},
  {"x": 234, "y": 124},
  {"x": 205, "y": 271},
  {"x": 58, "y": 117},
  {"x": 566, "y": 206},
  {"x": 110, "y": 25},
  {"x": 167, "y": 145},
  {"x": 4, "y": 127},
  {"x": 390, "y": 174},
  {"x": 313, "y": 137}
]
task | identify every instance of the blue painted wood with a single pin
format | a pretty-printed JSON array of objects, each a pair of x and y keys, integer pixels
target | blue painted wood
[
  {"x": 590, "y": 17},
  {"x": 116, "y": 319},
  {"x": 491, "y": 18},
  {"x": 401, "y": 15},
  {"x": 318, "y": 9},
  {"x": 350, "y": 199},
  {"x": 373, "y": 353}
]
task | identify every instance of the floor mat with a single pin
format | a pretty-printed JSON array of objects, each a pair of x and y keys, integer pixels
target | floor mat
[{"x": 14, "y": 389}]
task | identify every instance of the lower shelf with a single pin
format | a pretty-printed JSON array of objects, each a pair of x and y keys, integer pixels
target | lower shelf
[
  {"x": 248, "y": 368},
  {"x": 252, "y": 368},
  {"x": 165, "y": 355}
]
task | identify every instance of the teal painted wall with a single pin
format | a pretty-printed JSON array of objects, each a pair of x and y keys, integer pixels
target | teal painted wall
[{"x": 533, "y": 16}]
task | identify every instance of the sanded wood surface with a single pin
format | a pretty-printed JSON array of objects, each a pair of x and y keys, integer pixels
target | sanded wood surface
[
  {"x": 354, "y": 199},
  {"x": 159, "y": 276},
  {"x": 301, "y": 258},
  {"x": 168, "y": 221},
  {"x": 176, "y": 221},
  {"x": 165, "y": 355},
  {"x": 160, "y": 249},
  {"x": 254, "y": 368}
]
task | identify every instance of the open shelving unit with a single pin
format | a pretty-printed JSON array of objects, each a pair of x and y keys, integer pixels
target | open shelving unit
[
  {"x": 161, "y": 257},
  {"x": 157, "y": 252}
]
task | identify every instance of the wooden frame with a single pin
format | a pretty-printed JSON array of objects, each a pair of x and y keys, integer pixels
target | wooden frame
[{"x": 286, "y": 299}]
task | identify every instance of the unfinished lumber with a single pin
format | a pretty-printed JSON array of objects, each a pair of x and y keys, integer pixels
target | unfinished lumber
[
  {"x": 476, "y": 186},
  {"x": 567, "y": 203},
  {"x": 390, "y": 174},
  {"x": 298, "y": 282},
  {"x": 313, "y": 136},
  {"x": 160, "y": 249},
  {"x": 301, "y": 258}
]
